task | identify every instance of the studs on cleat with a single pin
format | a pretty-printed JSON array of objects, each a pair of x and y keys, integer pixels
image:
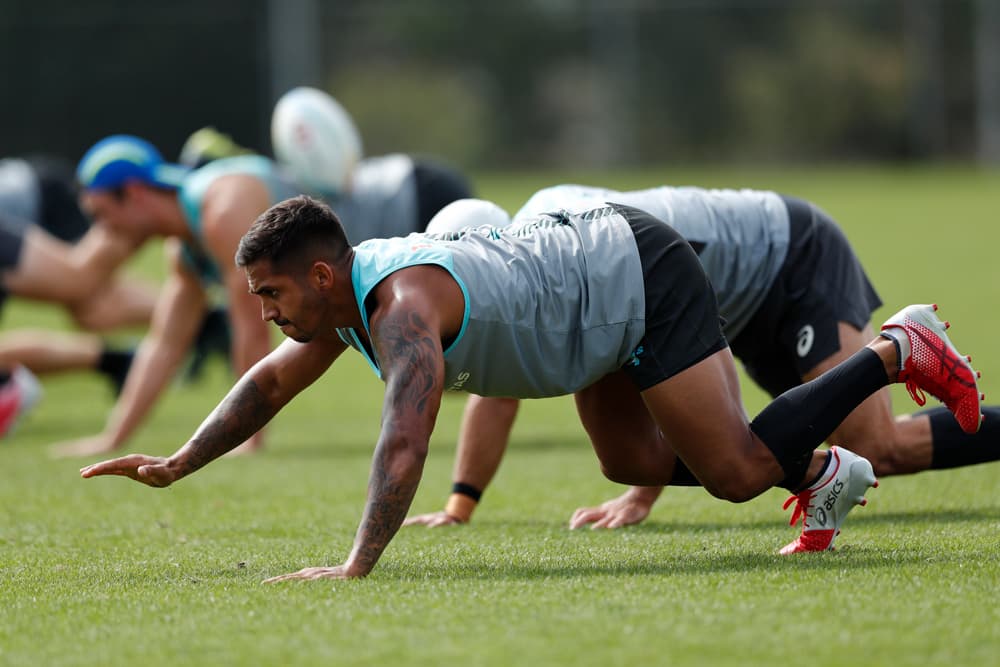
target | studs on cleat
[
  {"x": 875, "y": 485},
  {"x": 968, "y": 357},
  {"x": 864, "y": 501},
  {"x": 934, "y": 306},
  {"x": 947, "y": 324}
]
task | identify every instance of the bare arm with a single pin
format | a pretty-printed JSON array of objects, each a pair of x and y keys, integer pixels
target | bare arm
[
  {"x": 248, "y": 406},
  {"x": 231, "y": 205},
  {"x": 176, "y": 317},
  {"x": 406, "y": 332},
  {"x": 414, "y": 373},
  {"x": 50, "y": 270},
  {"x": 482, "y": 441}
]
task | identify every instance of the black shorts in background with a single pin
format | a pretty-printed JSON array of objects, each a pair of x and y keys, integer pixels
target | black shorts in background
[
  {"x": 821, "y": 283},
  {"x": 11, "y": 243},
  {"x": 437, "y": 186}
]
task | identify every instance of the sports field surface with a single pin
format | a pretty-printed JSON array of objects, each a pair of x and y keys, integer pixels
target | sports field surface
[{"x": 109, "y": 572}]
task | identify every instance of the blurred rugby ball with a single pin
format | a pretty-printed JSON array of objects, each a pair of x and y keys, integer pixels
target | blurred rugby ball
[
  {"x": 316, "y": 139},
  {"x": 463, "y": 213}
]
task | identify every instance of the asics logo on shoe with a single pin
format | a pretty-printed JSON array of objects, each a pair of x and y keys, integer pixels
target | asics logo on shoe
[
  {"x": 806, "y": 336},
  {"x": 831, "y": 497}
]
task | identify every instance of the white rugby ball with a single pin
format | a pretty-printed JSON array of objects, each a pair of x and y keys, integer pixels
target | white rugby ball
[
  {"x": 463, "y": 213},
  {"x": 316, "y": 139}
]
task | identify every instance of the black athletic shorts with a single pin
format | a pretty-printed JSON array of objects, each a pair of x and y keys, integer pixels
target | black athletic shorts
[
  {"x": 11, "y": 242},
  {"x": 60, "y": 211},
  {"x": 683, "y": 325},
  {"x": 437, "y": 186},
  {"x": 820, "y": 284}
]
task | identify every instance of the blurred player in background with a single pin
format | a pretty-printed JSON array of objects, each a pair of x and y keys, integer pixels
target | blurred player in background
[
  {"x": 376, "y": 197},
  {"x": 46, "y": 191},
  {"x": 127, "y": 186},
  {"x": 609, "y": 304},
  {"x": 389, "y": 195},
  {"x": 796, "y": 302},
  {"x": 49, "y": 252}
]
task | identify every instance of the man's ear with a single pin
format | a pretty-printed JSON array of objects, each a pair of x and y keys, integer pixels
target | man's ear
[{"x": 321, "y": 275}]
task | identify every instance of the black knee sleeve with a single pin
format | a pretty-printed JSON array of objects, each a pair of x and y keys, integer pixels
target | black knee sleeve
[
  {"x": 954, "y": 448},
  {"x": 798, "y": 421}
]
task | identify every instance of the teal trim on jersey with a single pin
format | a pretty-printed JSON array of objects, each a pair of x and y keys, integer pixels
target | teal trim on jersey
[
  {"x": 378, "y": 258},
  {"x": 192, "y": 195}
]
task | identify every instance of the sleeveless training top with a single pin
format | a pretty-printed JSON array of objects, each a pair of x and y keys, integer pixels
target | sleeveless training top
[
  {"x": 741, "y": 237},
  {"x": 192, "y": 195},
  {"x": 552, "y": 303}
]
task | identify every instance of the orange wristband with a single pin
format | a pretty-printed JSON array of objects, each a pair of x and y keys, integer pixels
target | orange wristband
[{"x": 460, "y": 507}]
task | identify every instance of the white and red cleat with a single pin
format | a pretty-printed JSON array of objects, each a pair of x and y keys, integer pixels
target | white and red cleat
[
  {"x": 825, "y": 504},
  {"x": 928, "y": 361},
  {"x": 17, "y": 396}
]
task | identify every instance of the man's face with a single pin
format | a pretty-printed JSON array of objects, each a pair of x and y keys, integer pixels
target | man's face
[
  {"x": 292, "y": 304},
  {"x": 120, "y": 213}
]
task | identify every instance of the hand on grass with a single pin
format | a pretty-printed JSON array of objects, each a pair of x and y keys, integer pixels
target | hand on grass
[
  {"x": 625, "y": 510},
  {"x": 336, "y": 572},
  {"x": 151, "y": 470},
  {"x": 432, "y": 520},
  {"x": 89, "y": 446}
]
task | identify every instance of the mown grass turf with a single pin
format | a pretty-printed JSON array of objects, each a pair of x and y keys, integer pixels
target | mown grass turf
[{"x": 106, "y": 571}]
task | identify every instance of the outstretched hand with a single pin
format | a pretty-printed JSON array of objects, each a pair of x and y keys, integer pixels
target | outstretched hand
[
  {"x": 624, "y": 510},
  {"x": 432, "y": 520},
  {"x": 150, "y": 470}
]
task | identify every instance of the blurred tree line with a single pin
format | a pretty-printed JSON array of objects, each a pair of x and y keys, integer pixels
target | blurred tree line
[{"x": 521, "y": 82}]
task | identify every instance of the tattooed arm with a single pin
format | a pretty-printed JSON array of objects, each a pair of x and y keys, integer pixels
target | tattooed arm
[
  {"x": 248, "y": 406},
  {"x": 412, "y": 317}
]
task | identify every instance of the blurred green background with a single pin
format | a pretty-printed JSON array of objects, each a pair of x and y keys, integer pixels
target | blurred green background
[{"x": 486, "y": 84}]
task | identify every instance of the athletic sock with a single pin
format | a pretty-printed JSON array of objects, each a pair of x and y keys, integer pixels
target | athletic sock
[
  {"x": 798, "y": 421},
  {"x": 819, "y": 475},
  {"x": 115, "y": 364},
  {"x": 954, "y": 448}
]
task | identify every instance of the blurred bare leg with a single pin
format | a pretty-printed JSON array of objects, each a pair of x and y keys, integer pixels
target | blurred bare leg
[{"x": 49, "y": 352}]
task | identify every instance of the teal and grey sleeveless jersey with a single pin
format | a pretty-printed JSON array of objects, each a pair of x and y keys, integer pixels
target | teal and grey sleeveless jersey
[
  {"x": 192, "y": 195},
  {"x": 741, "y": 236},
  {"x": 382, "y": 202},
  {"x": 552, "y": 303}
]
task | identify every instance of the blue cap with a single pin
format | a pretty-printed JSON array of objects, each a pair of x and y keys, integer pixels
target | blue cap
[{"x": 120, "y": 158}]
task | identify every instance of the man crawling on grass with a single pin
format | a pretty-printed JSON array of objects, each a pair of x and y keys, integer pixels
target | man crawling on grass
[{"x": 609, "y": 304}]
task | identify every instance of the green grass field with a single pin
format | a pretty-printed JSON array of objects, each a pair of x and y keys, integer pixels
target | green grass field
[{"x": 106, "y": 571}]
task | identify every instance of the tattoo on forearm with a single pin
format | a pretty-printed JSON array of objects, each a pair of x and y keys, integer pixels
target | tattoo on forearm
[
  {"x": 389, "y": 497},
  {"x": 241, "y": 414},
  {"x": 412, "y": 367}
]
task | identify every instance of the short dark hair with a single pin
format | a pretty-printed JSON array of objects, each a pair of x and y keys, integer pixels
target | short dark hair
[{"x": 286, "y": 231}]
